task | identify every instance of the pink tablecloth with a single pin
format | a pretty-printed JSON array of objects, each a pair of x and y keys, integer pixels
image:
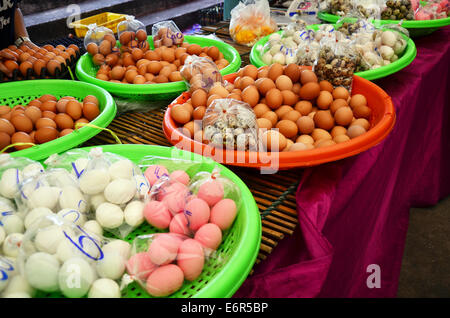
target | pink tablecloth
[{"x": 355, "y": 212}]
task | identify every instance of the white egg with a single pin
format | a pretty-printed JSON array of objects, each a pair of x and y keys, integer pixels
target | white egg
[
  {"x": 120, "y": 191},
  {"x": 104, "y": 288},
  {"x": 9, "y": 184},
  {"x": 94, "y": 181},
  {"x": 279, "y": 58},
  {"x": 118, "y": 246},
  {"x": 122, "y": 169},
  {"x": 92, "y": 227},
  {"x": 76, "y": 277},
  {"x": 267, "y": 58},
  {"x": 44, "y": 197},
  {"x": 275, "y": 37},
  {"x": 275, "y": 49},
  {"x": 12, "y": 224},
  {"x": 72, "y": 198},
  {"x": 109, "y": 215},
  {"x": 2, "y": 235},
  {"x": 388, "y": 38},
  {"x": 16, "y": 295},
  {"x": 386, "y": 52},
  {"x": 41, "y": 272},
  {"x": 32, "y": 170},
  {"x": 134, "y": 213},
  {"x": 34, "y": 215},
  {"x": 48, "y": 239},
  {"x": 112, "y": 266},
  {"x": 18, "y": 284},
  {"x": 11, "y": 244},
  {"x": 6, "y": 205},
  {"x": 69, "y": 248},
  {"x": 96, "y": 200},
  {"x": 72, "y": 216},
  {"x": 78, "y": 166}
]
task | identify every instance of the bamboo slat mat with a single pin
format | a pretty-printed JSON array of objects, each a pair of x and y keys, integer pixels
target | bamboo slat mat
[{"x": 274, "y": 193}]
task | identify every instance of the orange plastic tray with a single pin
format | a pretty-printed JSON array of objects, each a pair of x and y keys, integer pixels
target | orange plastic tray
[{"x": 382, "y": 122}]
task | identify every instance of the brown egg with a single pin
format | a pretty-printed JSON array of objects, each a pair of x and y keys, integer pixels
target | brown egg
[
  {"x": 74, "y": 109},
  {"x": 213, "y": 52},
  {"x": 194, "y": 49},
  {"x": 33, "y": 113},
  {"x": 325, "y": 143},
  {"x": 264, "y": 85},
  {"x": 340, "y": 92},
  {"x": 274, "y": 98},
  {"x": 358, "y": 100},
  {"x": 199, "y": 98},
  {"x": 118, "y": 72},
  {"x": 251, "y": 71},
  {"x": 336, "y": 104},
  {"x": 319, "y": 134},
  {"x": 125, "y": 37},
  {"x": 149, "y": 77},
  {"x": 154, "y": 67},
  {"x": 308, "y": 76},
  {"x": 131, "y": 74},
  {"x": 54, "y": 65},
  {"x": 310, "y": 90},
  {"x": 303, "y": 107},
  {"x": 270, "y": 115},
  {"x": 7, "y": 127},
  {"x": 362, "y": 112},
  {"x": 291, "y": 115},
  {"x": 77, "y": 123},
  {"x": 361, "y": 122},
  {"x": 22, "y": 123},
  {"x": 289, "y": 98},
  {"x": 65, "y": 132},
  {"x": 260, "y": 110},
  {"x": 199, "y": 112},
  {"x": 222, "y": 91},
  {"x": 324, "y": 120},
  {"x": 38, "y": 66},
  {"x": 165, "y": 71},
  {"x": 211, "y": 99},
  {"x": 46, "y": 98},
  {"x": 293, "y": 71},
  {"x": 5, "y": 140},
  {"x": 263, "y": 72},
  {"x": 324, "y": 100},
  {"x": 326, "y": 86},
  {"x": 283, "y": 110},
  {"x": 48, "y": 114},
  {"x": 35, "y": 102},
  {"x": 338, "y": 130},
  {"x": 245, "y": 82},
  {"x": 24, "y": 67},
  {"x": 175, "y": 77},
  {"x": 305, "y": 125},
  {"x": 355, "y": 131},
  {"x": 92, "y": 49},
  {"x": 63, "y": 121},
  {"x": 341, "y": 138},
  {"x": 343, "y": 116},
  {"x": 161, "y": 79},
  {"x": 273, "y": 140},
  {"x": 139, "y": 80},
  {"x": 168, "y": 55},
  {"x": 11, "y": 65},
  {"x": 288, "y": 128},
  {"x": 21, "y": 137},
  {"x": 45, "y": 134},
  {"x": 264, "y": 123},
  {"x": 180, "y": 114},
  {"x": 90, "y": 111},
  {"x": 284, "y": 82},
  {"x": 108, "y": 37},
  {"x": 305, "y": 139},
  {"x": 137, "y": 54},
  {"x": 275, "y": 71},
  {"x": 49, "y": 105},
  {"x": 250, "y": 95},
  {"x": 4, "y": 110},
  {"x": 112, "y": 59}
]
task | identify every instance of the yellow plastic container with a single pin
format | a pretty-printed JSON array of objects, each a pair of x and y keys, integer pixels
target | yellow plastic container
[{"x": 106, "y": 19}]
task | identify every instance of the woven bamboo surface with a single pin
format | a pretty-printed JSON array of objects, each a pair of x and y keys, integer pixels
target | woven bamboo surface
[{"x": 274, "y": 193}]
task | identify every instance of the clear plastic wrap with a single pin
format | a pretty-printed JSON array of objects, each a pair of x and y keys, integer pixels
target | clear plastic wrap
[
  {"x": 250, "y": 21},
  {"x": 367, "y": 9},
  {"x": 100, "y": 43},
  {"x": 434, "y": 9},
  {"x": 231, "y": 124},
  {"x": 59, "y": 256},
  {"x": 167, "y": 33},
  {"x": 132, "y": 34},
  {"x": 200, "y": 73},
  {"x": 397, "y": 10}
]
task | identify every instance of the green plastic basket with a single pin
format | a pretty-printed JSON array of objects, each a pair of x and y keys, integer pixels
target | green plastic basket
[
  {"x": 408, "y": 56},
  {"x": 86, "y": 71},
  {"x": 21, "y": 93},
  {"x": 235, "y": 257},
  {"x": 416, "y": 28}
]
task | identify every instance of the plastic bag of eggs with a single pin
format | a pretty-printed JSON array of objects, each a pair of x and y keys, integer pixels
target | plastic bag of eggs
[
  {"x": 166, "y": 33},
  {"x": 131, "y": 33},
  {"x": 99, "y": 42},
  {"x": 201, "y": 72},
  {"x": 59, "y": 256},
  {"x": 74, "y": 161},
  {"x": 12, "y": 285}
]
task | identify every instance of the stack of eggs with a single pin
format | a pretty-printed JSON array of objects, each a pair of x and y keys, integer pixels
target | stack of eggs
[
  {"x": 195, "y": 223},
  {"x": 295, "y": 111},
  {"x": 44, "y": 119}
]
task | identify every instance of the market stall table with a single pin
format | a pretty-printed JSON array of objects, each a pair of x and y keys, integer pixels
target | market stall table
[{"x": 352, "y": 213}]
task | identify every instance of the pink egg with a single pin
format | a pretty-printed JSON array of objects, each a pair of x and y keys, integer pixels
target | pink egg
[
  {"x": 176, "y": 200},
  {"x": 211, "y": 192},
  {"x": 165, "y": 280},
  {"x": 157, "y": 214},
  {"x": 180, "y": 176},
  {"x": 209, "y": 235},
  {"x": 163, "y": 249},
  {"x": 197, "y": 213},
  {"x": 139, "y": 266},
  {"x": 179, "y": 225},
  {"x": 191, "y": 259},
  {"x": 223, "y": 213},
  {"x": 154, "y": 173},
  {"x": 169, "y": 188}
]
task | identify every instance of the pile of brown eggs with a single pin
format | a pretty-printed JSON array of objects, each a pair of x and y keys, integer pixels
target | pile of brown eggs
[
  {"x": 294, "y": 109},
  {"x": 44, "y": 119},
  {"x": 135, "y": 63},
  {"x": 37, "y": 62}
]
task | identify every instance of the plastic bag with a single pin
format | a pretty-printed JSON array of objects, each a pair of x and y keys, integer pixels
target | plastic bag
[
  {"x": 166, "y": 33},
  {"x": 10, "y": 221},
  {"x": 7, "y": 272},
  {"x": 74, "y": 161},
  {"x": 397, "y": 10},
  {"x": 99, "y": 42},
  {"x": 337, "y": 62},
  {"x": 341, "y": 7},
  {"x": 250, "y": 21},
  {"x": 435, "y": 9},
  {"x": 231, "y": 124},
  {"x": 59, "y": 256},
  {"x": 12, "y": 284},
  {"x": 201, "y": 73},
  {"x": 367, "y": 9},
  {"x": 132, "y": 34}
]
